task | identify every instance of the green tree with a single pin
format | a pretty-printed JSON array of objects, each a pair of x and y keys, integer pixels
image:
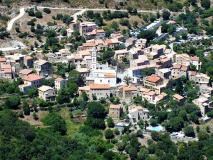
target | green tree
[
  {"x": 206, "y": 4},
  {"x": 141, "y": 124},
  {"x": 110, "y": 122},
  {"x": 56, "y": 122},
  {"x": 32, "y": 92},
  {"x": 12, "y": 102},
  {"x": 47, "y": 10},
  {"x": 166, "y": 14},
  {"x": 189, "y": 131},
  {"x": 63, "y": 96},
  {"x": 109, "y": 134},
  {"x": 95, "y": 115},
  {"x": 26, "y": 108}
]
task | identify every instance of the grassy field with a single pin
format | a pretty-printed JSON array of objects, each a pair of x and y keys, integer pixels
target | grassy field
[{"x": 72, "y": 127}]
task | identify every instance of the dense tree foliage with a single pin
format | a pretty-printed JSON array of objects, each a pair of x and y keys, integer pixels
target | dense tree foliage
[
  {"x": 95, "y": 115},
  {"x": 56, "y": 122}
]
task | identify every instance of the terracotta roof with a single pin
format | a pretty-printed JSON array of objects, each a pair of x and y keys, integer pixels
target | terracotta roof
[
  {"x": 32, "y": 77},
  {"x": 59, "y": 79},
  {"x": 89, "y": 44},
  {"x": 195, "y": 58},
  {"x": 192, "y": 73},
  {"x": 2, "y": 59},
  {"x": 184, "y": 68},
  {"x": 109, "y": 75},
  {"x": 45, "y": 88},
  {"x": 40, "y": 62},
  {"x": 100, "y": 31},
  {"x": 145, "y": 90},
  {"x": 177, "y": 66},
  {"x": 178, "y": 97},
  {"x": 95, "y": 31},
  {"x": 5, "y": 66},
  {"x": 129, "y": 88},
  {"x": 28, "y": 57},
  {"x": 112, "y": 106},
  {"x": 153, "y": 78},
  {"x": 6, "y": 70},
  {"x": 99, "y": 86},
  {"x": 78, "y": 56},
  {"x": 152, "y": 93},
  {"x": 25, "y": 71}
]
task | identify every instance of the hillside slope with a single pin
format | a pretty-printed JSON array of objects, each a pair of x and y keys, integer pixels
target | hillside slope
[{"x": 143, "y": 4}]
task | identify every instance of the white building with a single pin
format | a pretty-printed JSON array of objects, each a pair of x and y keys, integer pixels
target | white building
[
  {"x": 46, "y": 93},
  {"x": 137, "y": 113},
  {"x": 186, "y": 60},
  {"x": 97, "y": 90},
  {"x": 203, "y": 102},
  {"x": 102, "y": 76},
  {"x": 60, "y": 83}
]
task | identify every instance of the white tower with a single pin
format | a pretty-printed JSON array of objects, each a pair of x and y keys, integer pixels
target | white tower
[{"x": 94, "y": 58}]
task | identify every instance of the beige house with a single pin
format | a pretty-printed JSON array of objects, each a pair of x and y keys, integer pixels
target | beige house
[
  {"x": 151, "y": 96},
  {"x": 199, "y": 78},
  {"x": 154, "y": 82},
  {"x": 86, "y": 27},
  {"x": 46, "y": 93},
  {"x": 203, "y": 103},
  {"x": 186, "y": 60},
  {"x": 154, "y": 51},
  {"x": 179, "y": 71},
  {"x": 95, "y": 34},
  {"x": 25, "y": 72},
  {"x": 137, "y": 113},
  {"x": 115, "y": 111},
  {"x": 127, "y": 92},
  {"x": 31, "y": 80},
  {"x": 60, "y": 83},
  {"x": 6, "y": 71},
  {"x": 28, "y": 61},
  {"x": 42, "y": 67},
  {"x": 97, "y": 90}
]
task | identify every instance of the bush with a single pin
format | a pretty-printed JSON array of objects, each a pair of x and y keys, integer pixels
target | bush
[
  {"x": 189, "y": 131},
  {"x": 110, "y": 122},
  {"x": 95, "y": 115},
  {"x": 166, "y": 15},
  {"x": 12, "y": 102},
  {"x": 205, "y": 4},
  {"x": 56, "y": 122},
  {"x": 47, "y": 10},
  {"x": 38, "y": 14},
  {"x": 109, "y": 134},
  {"x": 26, "y": 108}
]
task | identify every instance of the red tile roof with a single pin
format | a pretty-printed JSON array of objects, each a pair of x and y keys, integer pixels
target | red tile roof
[
  {"x": 32, "y": 77},
  {"x": 99, "y": 86},
  {"x": 153, "y": 78}
]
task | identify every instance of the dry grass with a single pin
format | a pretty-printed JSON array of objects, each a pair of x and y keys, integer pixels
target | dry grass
[
  {"x": 22, "y": 23},
  {"x": 32, "y": 121},
  {"x": 142, "y": 4}
]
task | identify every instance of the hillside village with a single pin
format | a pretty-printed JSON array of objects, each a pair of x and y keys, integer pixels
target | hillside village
[{"x": 149, "y": 86}]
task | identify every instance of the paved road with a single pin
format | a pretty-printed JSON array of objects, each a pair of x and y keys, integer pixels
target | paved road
[
  {"x": 97, "y": 9},
  {"x": 12, "y": 21}
]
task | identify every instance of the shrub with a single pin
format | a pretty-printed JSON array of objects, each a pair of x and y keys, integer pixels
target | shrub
[{"x": 47, "y": 10}]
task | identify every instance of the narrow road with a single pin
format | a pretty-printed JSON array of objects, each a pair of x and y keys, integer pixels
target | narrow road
[
  {"x": 75, "y": 15},
  {"x": 98, "y": 9},
  {"x": 12, "y": 21}
]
